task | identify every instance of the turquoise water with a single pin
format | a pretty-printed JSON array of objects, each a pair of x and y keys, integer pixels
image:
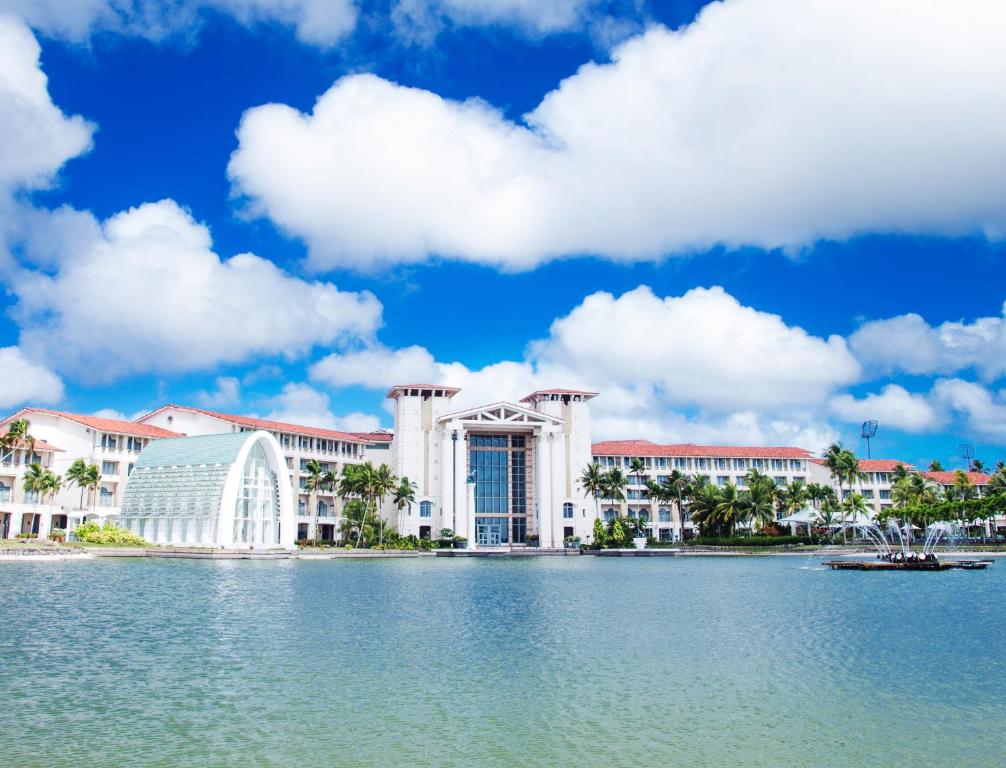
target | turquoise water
[{"x": 532, "y": 662}]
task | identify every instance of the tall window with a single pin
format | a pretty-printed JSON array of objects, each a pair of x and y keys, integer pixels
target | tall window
[
  {"x": 426, "y": 509},
  {"x": 567, "y": 511},
  {"x": 256, "y": 517},
  {"x": 665, "y": 515}
]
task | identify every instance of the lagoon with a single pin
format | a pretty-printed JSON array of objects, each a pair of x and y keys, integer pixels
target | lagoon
[{"x": 576, "y": 661}]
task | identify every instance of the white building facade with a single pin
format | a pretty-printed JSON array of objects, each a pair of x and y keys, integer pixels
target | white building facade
[
  {"x": 720, "y": 464},
  {"x": 501, "y": 475}
]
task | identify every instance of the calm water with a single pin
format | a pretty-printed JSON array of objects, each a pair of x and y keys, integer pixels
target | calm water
[{"x": 539, "y": 662}]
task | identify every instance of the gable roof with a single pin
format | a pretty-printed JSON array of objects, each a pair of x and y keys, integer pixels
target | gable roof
[
  {"x": 497, "y": 413},
  {"x": 877, "y": 465},
  {"x": 949, "y": 478},
  {"x": 646, "y": 448},
  {"x": 115, "y": 426},
  {"x": 268, "y": 424}
]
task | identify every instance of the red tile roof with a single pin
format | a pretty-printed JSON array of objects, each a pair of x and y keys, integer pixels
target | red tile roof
[
  {"x": 40, "y": 445},
  {"x": 949, "y": 478},
  {"x": 646, "y": 448},
  {"x": 269, "y": 425},
  {"x": 877, "y": 465},
  {"x": 379, "y": 436},
  {"x": 114, "y": 426},
  {"x": 557, "y": 392}
]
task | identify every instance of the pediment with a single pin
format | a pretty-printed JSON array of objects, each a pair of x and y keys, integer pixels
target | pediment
[{"x": 502, "y": 414}]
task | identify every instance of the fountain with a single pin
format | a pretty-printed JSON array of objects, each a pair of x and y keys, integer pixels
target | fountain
[{"x": 895, "y": 553}]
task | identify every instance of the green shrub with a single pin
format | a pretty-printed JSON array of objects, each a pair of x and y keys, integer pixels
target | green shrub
[
  {"x": 27, "y": 536},
  {"x": 746, "y": 541},
  {"x": 109, "y": 533}
]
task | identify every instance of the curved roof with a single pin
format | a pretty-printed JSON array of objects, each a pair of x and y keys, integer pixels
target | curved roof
[{"x": 193, "y": 451}]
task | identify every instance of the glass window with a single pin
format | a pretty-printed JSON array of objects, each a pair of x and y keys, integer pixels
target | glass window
[
  {"x": 426, "y": 509},
  {"x": 567, "y": 511},
  {"x": 109, "y": 467},
  {"x": 610, "y": 514},
  {"x": 665, "y": 515},
  {"x": 256, "y": 516}
]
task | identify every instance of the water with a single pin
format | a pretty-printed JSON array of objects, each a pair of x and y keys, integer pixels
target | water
[{"x": 532, "y": 662}]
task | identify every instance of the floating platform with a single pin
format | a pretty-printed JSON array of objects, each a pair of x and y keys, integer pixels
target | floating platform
[{"x": 907, "y": 565}]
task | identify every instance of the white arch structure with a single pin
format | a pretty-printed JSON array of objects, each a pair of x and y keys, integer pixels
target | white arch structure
[{"x": 230, "y": 491}]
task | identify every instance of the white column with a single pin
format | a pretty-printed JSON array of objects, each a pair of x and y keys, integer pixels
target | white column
[{"x": 44, "y": 522}]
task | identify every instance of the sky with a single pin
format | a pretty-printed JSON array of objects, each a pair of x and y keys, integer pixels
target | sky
[{"x": 747, "y": 222}]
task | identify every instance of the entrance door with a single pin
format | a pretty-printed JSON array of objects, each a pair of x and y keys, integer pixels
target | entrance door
[{"x": 490, "y": 531}]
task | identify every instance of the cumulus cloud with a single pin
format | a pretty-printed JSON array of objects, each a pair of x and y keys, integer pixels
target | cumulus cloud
[
  {"x": 700, "y": 364},
  {"x": 894, "y": 406},
  {"x": 111, "y": 413},
  {"x": 150, "y": 295},
  {"x": 305, "y": 405},
  {"x": 770, "y": 123},
  {"x": 225, "y": 394},
  {"x": 36, "y": 138},
  {"x": 24, "y": 381},
  {"x": 907, "y": 343},
  {"x": 317, "y": 22},
  {"x": 984, "y": 412}
]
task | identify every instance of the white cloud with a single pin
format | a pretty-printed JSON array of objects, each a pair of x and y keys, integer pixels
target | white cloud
[
  {"x": 150, "y": 295},
  {"x": 766, "y": 122},
  {"x": 894, "y": 406},
  {"x": 226, "y": 393},
  {"x": 24, "y": 381},
  {"x": 908, "y": 343},
  {"x": 302, "y": 404},
  {"x": 36, "y": 138},
  {"x": 318, "y": 22},
  {"x": 699, "y": 366},
  {"x": 110, "y": 413},
  {"x": 984, "y": 412}
]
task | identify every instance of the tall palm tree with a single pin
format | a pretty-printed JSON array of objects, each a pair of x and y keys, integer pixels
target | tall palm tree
[
  {"x": 677, "y": 486},
  {"x": 18, "y": 435},
  {"x": 614, "y": 486},
  {"x": 53, "y": 484},
  {"x": 404, "y": 496},
  {"x": 854, "y": 505},
  {"x": 384, "y": 482},
  {"x": 732, "y": 508},
  {"x": 900, "y": 473},
  {"x": 35, "y": 481},
  {"x": 936, "y": 465},
  {"x": 77, "y": 475},
  {"x": 815, "y": 494},
  {"x": 637, "y": 468},
  {"x": 977, "y": 465},
  {"x": 314, "y": 484},
  {"x": 796, "y": 496},
  {"x": 592, "y": 482},
  {"x": 702, "y": 506},
  {"x": 759, "y": 504},
  {"x": 92, "y": 481}
]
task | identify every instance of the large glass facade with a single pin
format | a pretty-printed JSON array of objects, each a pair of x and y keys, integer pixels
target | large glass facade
[
  {"x": 500, "y": 466},
  {"x": 256, "y": 515}
]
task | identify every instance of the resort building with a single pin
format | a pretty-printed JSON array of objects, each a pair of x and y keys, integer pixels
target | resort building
[
  {"x": 875, "y": 486},
  {"x": 317, "y": 513},
  {"x": 947, "y": 480},
  {"x": 228, "y": 490},
  {"x": 60, "y": 439},
  {"x": 720, "y": 464},
  {"x": 504, "y": 474}
]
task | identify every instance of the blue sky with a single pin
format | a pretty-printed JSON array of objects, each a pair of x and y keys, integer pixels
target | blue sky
[{"x": 784, "y": 227}]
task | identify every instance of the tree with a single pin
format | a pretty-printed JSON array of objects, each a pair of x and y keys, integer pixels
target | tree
[
  {"x": 614, "y": 485},
  {"x": 759, "y": 504},
  {"x": 314, "y": 483},
  {"x": 677, "y": 486},
  {"x": 18, "y": 435},
  {"x": 935, "y": 466},
  {"x": 592, "y": 482},
  {"x": 977, "y": 465},
  {"x": 358, "y": 520},
  {"x": 900, "y": 473},
  {"x": 36, "y": 481},
  {"x": 731, "y": 509},
  {"x": 404, "y": 496},
  {"x": 600, "y": 534},
  {"x": 384, "y": 482},
  {"x": 795, "y": 496},
  {"x": 77, "y": 475},
  {"x": 853, "y": 506},
  {"x": 52, "y": 485},
  {"x": 637, "y": 468}
]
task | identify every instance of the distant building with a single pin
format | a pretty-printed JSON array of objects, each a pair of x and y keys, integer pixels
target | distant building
[
  {"x": 722, "y": 464},
  {"x": 876, "y": 485}
]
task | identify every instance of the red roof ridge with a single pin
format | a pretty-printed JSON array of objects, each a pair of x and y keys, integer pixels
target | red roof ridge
[
  {"x": 648, "y": 448},
  {"x": 103, "y": 424},
  {"x": 267, "y": 424}
]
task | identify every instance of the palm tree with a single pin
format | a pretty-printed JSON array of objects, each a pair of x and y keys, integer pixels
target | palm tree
[
  {"x": 314, "y": 483},
  {"x": 977, "y": 465},
  {"x": 854, "y": 505},
  {"x": 795, "y": 496},
  {"x": 405, "y": 496},
  {"x": 614, "y": 485},
  {"x": 732, "y": 507},
  {"x": 826, "y": 516},
  {"x": 92, "y": 481},
  {"x": 18, "y": 435},
  {"x": 384, "y": 482},
  {"x": 900, "y": 473},
  {"x": 816, "y": 494},
  {"x": 53, "y": 484},
  {"x": 637, "y": 468},
  {"x": 935, "y": 466},
  {"x": 759, "y": 503},
  {"x": 77, "y": 475},
  {"x": 35, "y": 481},
  {"x": 592, "y": 482},
  {"x": 703, "y": 502}
]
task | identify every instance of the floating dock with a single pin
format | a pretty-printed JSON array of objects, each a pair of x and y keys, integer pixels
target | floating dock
[{"x": 907, "y": 565}]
